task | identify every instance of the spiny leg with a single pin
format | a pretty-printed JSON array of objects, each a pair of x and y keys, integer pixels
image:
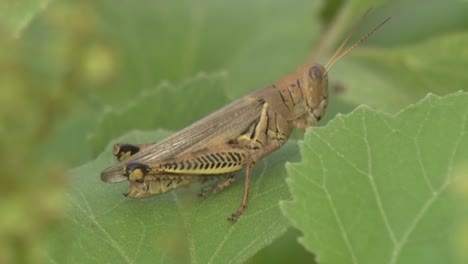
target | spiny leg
[
  {"x": 273, "y": 145},
  {"x": 124, "y": 150}
]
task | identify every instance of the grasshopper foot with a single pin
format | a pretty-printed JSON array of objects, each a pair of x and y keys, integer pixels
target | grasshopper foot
[{"x": 238, "y": 213}]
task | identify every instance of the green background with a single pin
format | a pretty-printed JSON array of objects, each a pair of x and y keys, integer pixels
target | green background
[{"x": 77, "y": 75}]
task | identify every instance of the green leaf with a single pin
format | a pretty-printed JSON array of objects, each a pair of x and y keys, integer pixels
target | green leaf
[
  {"x": 388, "y": 79},
  {"x": 120, "y": 55},
  {"x": 73, "y": 59},
  {"x": 167, "y": 106},
  {"x": 283, "y": 250},
  {"x": 408, "y": 26},
  {"x": 71, "y": 139},
  {"x": 16, "y": 15},
  {"x": 104, "y": 226},
  {"x": 186, "y": 37},
  {"x": 376, "y": 188}
]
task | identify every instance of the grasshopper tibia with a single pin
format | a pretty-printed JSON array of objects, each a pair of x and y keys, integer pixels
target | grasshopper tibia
[
  {"x": 137, "y": 171},
  {"x": 125, "y": 150}
]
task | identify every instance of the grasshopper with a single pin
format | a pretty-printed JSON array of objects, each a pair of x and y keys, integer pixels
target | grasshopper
[{"x": 233, "y": 138}]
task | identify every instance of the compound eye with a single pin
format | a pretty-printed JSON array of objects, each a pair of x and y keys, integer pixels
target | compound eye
[
  {"x": 136, "y": 172},
  {"x": 315, "y": 72}
]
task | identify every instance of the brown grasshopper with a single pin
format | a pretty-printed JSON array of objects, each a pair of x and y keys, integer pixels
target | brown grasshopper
[{"x": 237, "y": 136}]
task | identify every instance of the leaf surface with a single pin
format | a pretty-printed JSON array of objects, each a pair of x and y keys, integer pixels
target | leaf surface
[
  {"x": 376, "y": 188},
  {"x": 174, "y": 227}
]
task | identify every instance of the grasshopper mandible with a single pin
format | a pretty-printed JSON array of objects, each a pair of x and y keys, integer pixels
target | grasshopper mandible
[{"x": 235, "y": 137}]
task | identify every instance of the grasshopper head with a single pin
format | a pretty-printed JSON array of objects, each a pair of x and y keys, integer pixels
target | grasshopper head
[
  {"x": 315, "y": 89},
  {"x": 309, "y": 94},
  {"x": 314, "y": 81}
]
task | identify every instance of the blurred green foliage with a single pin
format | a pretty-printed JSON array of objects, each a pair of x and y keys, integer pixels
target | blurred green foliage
[{"x": 67, "y": 68}]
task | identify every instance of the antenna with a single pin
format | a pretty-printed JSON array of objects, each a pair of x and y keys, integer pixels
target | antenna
[{"x": 337, "y": 56}]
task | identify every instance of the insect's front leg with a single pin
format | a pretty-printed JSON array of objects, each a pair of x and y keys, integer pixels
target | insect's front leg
[{"x": 226, "y": 182}]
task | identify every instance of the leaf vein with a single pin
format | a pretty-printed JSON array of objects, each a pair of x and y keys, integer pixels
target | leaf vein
[{"x": 370, "y": 176}]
